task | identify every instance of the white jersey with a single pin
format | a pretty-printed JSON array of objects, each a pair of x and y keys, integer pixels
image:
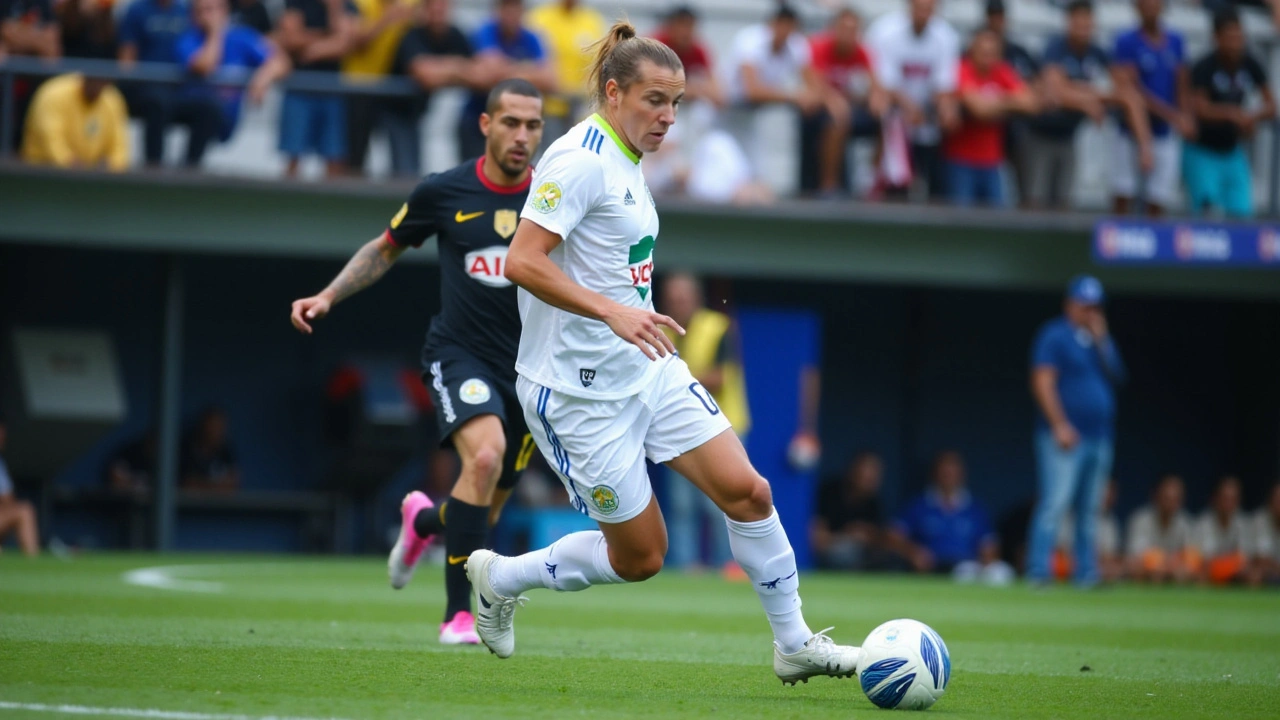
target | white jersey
[
  {"x": 589, "y": 190},
  {"x": 918, "y": 66},
  {"x": 1213, "y": 539},
  {"x": 1146, "y": 533},
  {"x": 1264, "y": 535}
]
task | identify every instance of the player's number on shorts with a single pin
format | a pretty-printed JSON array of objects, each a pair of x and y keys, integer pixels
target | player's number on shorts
[{"x": 704, "y": 397}]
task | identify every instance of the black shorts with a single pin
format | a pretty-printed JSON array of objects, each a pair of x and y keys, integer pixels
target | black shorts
[{"x": 465, "y": 387}]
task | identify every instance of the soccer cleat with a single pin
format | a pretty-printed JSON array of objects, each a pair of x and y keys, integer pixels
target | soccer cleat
[
  {"x": 494, "y": 613},
  {"x": 819, "y": 656},
  {"x": 461, "y": 630},
  {"x": 404, "y": 556}
]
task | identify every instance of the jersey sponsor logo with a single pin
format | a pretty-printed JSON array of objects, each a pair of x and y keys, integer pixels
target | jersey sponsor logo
[
  {"x": 474, "y": 392},
  {"x": 486, "y": 265},
  {"x": 547, "y": 197},
  {"x": 460, "y": 217},
  {"x": 446, "y": 402},
  {"x": 604, "y": 498},
  {"x": 627, "y": 199},
  {"x": 504, "y": 223},
  {"x": 640, "y": 264},
  {"x": 399, "y": 218},
  {"x": 587, "y": 376}
]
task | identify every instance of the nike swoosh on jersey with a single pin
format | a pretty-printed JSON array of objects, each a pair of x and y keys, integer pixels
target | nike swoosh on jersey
[
  {"x": 458, "y": 559},
  {"x": 460, "y": 217}
]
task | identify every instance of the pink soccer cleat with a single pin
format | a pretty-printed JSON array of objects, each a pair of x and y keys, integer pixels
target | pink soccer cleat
[
  {"x": 404, "y": 556},
  {"x": 461, "y": 630}
]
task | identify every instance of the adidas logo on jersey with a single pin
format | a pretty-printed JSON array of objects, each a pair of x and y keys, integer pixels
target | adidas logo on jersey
[{"x": 628, "y": 200}]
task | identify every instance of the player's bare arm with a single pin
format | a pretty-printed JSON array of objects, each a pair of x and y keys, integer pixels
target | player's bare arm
[
  {"x": 365, "y": 268},
  {"x": 529, "y": 267}
]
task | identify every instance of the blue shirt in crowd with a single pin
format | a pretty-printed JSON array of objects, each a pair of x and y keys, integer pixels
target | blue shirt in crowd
[
  {"x": 1157, "y": 67},
  {"x": 524, "y": 47},
  {"x": 243, "y": 48},
  {"x": 154, "y": 29},
  {"x": 952, "y": 533},
  {"x": 1086, "y": 376}
]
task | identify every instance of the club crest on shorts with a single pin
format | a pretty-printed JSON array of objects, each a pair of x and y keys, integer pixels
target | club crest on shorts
[
  {"x": 474, "y": 392},
  {"x": 605, "y": 499},
  {"x": 587, "y": 376}
]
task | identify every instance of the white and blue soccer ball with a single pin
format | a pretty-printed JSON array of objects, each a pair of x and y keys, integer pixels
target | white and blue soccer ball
[{"x": 905, "y": 665}]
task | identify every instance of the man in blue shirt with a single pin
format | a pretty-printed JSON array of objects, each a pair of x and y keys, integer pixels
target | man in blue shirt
[
  {"x": 1150, "y": 60},
  {"x": 149, "y": 33},
  {"x": 1075, "y": 368}
]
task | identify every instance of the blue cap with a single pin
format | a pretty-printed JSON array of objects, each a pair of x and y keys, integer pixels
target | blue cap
[{"x": 1086, "y": 289}]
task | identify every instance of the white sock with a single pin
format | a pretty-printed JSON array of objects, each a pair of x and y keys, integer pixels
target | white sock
[
  {"x": 574, "y": 562},
  {"x": 765, "y": 554}
]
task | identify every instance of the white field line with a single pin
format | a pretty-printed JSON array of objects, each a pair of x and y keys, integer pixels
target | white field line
[
  {"x": 165, "y": 577},
  {"x": 136, "y": 712}
]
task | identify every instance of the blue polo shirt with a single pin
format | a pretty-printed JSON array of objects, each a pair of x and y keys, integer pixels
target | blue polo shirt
[
  {"x": 242, "y": 48},
  {"x": 1087, "y": 376},
  {"x": 154, "y": 29},
  {"x": 953, "y": 533},
  {"x": 1157, "y": 68},
  {"x": 525, "y": 46}
]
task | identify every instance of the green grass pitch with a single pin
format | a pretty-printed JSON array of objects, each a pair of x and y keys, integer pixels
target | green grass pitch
[{"x": 321, "y": 638}]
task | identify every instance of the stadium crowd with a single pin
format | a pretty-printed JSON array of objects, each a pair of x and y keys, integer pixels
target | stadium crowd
[{"x": 977, "y": 120}]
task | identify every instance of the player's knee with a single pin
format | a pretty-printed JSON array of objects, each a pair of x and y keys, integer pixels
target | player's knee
[
  {"x": 754, "y": 502},
  {"x": 485, "y": 464},
  {"x": 639, "y": 567}
]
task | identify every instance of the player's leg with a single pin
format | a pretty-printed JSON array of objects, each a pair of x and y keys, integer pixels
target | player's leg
[{"x": 19, "y": 517}]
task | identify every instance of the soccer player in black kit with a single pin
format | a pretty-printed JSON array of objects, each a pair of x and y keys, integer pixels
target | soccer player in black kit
[{"x": 470, "y": 353}]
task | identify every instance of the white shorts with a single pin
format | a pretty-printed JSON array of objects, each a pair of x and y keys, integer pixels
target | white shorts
[
  {"x": 598, "y": 449},
  {"x": 1162, "y": 183}
]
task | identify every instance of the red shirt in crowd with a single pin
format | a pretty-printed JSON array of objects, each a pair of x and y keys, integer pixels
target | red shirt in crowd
[
  {"x": 849, "y": 72},
  {"x": 976, "y": 143},
  {"x": 695, "y": 58}
]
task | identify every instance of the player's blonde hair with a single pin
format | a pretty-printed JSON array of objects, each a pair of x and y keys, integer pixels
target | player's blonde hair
[{"x": 618, "y": 57}]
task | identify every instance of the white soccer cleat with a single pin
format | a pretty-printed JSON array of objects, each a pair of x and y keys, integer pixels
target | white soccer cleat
[
  {"x": 819, "y": 656},
  {"x": 494, "y": 613}
]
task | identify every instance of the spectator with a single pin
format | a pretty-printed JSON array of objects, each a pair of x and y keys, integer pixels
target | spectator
[
  {"x": 946, "y": 530},
  {"x": 916, "y": 54},
  {"x": 1265, "y": 538},
  {"x": 253, "y": 15},
  {"x": 1149, "y": 61},
  {"x": 88, "y": 28},
  {"x": 841, "y": 60},
  {"x": 17, "y": 517},
  {"x": 1106, "y": 541},
  {"x": 132, "y": 470},
  {"x": 680, "y": 33},
  {"x": 1016, "y": 127},
  {"x": 504, "y": 48},
  {"x": 848, "y": 528},
  {"x": 1271, "y": 7},
  {"x": 77, "y": 122},
  {"x": 207, "y": 461},
  {"x": 711, "y": 349},
  {"x": 1075, "y": 367},
  {"x": 990, "y": 93},
  {"x": 27, "y": 28},
  {"x": 1160, "y": 545},
  {"x": 1072, "y": 74},
  {"x": 1221, "y": 536},
  {"x": 567, "y": 28},
  {"x": 1214, "y": 165},
  {"x": 212, "y": 44},
  {"x": 435, "y": 54},
  {"x": 149, "y": 33},
  {"x": 715, "y": 169},
  {"x": 316, "y": 34},
  {"x": 376, "y": 34}
]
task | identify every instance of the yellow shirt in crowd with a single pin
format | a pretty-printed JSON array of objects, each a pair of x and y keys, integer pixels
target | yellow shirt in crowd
[
  {"x": 63, "y": 129},
  {"x": 699, "y": 347},
  {"x": 377, "y": 57},
  {"x": 567, "y": 34}
]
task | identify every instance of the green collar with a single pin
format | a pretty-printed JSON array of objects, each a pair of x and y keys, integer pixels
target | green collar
[{"x": 616, "y": 140}]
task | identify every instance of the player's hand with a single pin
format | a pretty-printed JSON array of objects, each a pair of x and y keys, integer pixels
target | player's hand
[
  {"x": 643, "y": 329},
  {"x": 1065, "y": 435},
  {"x": 308, "y": 309}
]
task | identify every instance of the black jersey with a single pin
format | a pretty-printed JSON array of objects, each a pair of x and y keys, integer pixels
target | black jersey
[{"x": 473, "y": 221}]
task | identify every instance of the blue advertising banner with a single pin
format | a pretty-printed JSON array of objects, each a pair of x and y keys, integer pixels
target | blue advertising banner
[{"x": 1126, "y": 242}]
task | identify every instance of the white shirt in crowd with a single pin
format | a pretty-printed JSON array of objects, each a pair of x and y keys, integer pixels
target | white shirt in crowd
[
  {"x": 753, "y": 47},
  {"x": 1214, "y": 540},
  {"x": 1145, "y": 532},
  {"x": 1106, "y": 528},
  {"x": 1264, "y": 534},
  {"x": 918, "y": 66}
]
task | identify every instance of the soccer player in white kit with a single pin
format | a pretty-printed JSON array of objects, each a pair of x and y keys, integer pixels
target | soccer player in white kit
[{"x": 602, "y": 388}]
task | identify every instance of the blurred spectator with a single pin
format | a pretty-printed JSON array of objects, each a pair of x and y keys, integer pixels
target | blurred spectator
[
  {"x": 376, "y": 33},
  {"x": 990, "y": 93},
  {"x": 1150, "y": 61},
  {"x": 1106, "y": 541},
  {"x": 316, "y": 34},
  {"x": 1221, "y": 535},
  {"x": 1214, "y": 165},
  {"x": 88, "y": 28},
  {"x": 1271, "y": 7},
  {"x": 848, "y": 528},
  {"x": 215, "y": 44},
  {"x": 567, "y": 29},
  {"x": 77, "y": 122},
  {"x": 712, "y": 351},
  {"x": 1265, "y": 538},
  {"x": 1075, "y": 367},
  {"x": 27, "y": 28},
  {"x": 946, "y": 530},
  {"x": 916, "y": 54},
  {"x": 1160, "y": 544},
  {"x": 1016, "y": 126},
  {"x": 504, "y": 48},
  {"x": 1077, "y": 84},
  {"x": 207, "y": 461},
  {"x": 253, "y": 15},
  {"x": 679, "y": 32},
  {"x": 17, "y": 517},
  {"x": 132, "y": 470},
  {"x": 149, "y": 33},
  {"x": 841, "y": 60},
  {"x": 435, "y": 54}
]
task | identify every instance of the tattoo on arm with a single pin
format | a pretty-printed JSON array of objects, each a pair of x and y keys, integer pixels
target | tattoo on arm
[{"x": 364, "y": 268}]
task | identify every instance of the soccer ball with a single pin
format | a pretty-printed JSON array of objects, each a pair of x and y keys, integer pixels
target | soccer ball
[{"x": 904, "y": 665}]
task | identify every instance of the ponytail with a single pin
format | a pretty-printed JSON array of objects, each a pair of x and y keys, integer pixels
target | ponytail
[{"x": 618, "y": 55}]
